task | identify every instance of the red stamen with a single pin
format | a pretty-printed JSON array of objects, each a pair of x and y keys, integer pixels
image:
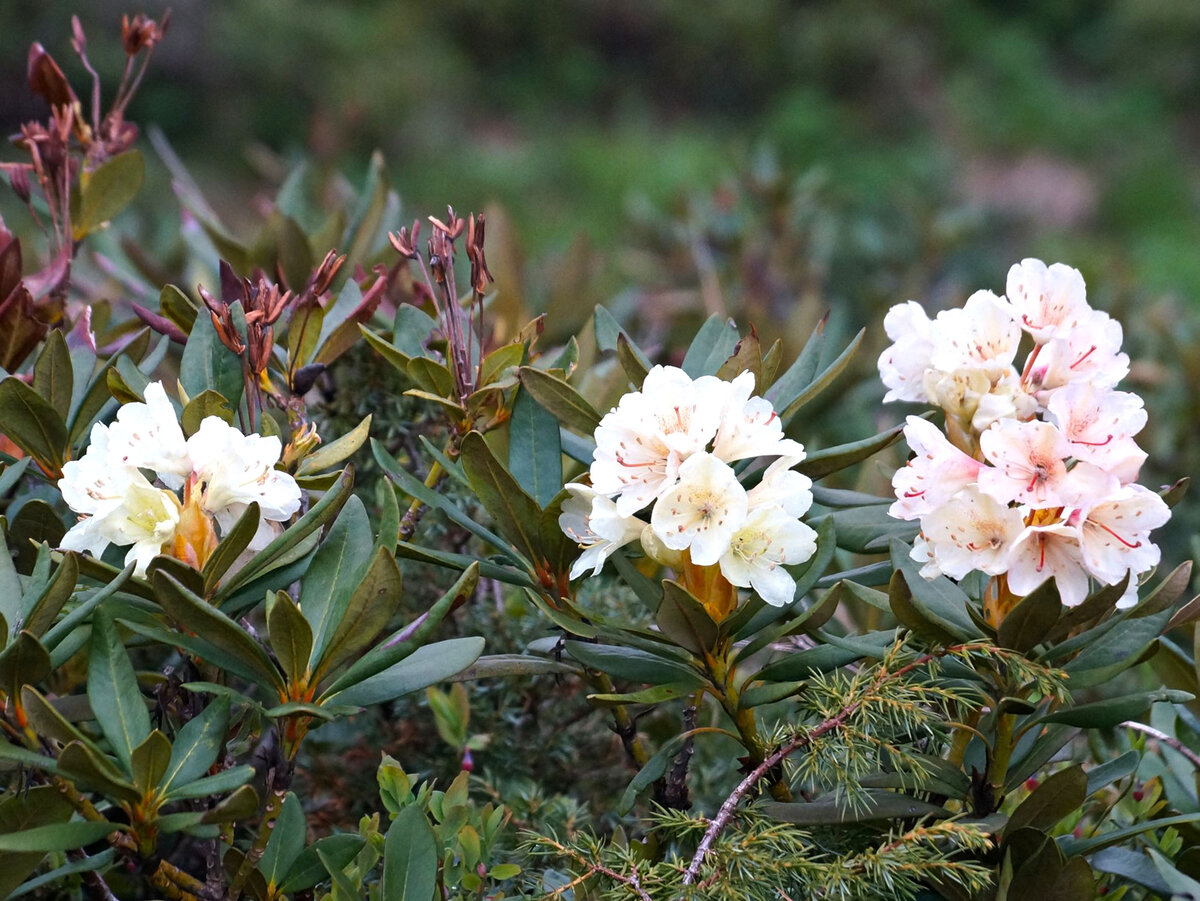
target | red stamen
[
  {"x": 1093, "y": 443},
  {"x": 1127, "y": 544},
  {"x": 1042, "y": 558},
  {"x": 1084, "y": 357},
  {"x": 914, "y": 493}
]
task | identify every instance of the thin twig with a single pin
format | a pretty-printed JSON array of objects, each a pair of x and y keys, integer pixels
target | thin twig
[
  {"x": 1167, "y": 740},
  {"x": 632, "y": 880}
]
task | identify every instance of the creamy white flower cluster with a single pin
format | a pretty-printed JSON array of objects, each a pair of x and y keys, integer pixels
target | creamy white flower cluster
[
  {"x": 668, "y": 447},
  {"x": 1037, "y": 477},
  {"x": 221, "y": 470}
]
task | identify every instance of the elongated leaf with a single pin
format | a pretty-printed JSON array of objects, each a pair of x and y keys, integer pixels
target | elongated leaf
[
  {"x": 231, "y": 546},
  {"x": 46, "y": 719},
  {"x": 291, "y": 636},
  {"x": 803, "y": 664},
  {"x": 203, "y": 405},
  {"x": 1110, "y": 771},
  {"x": 24, "y": 662},
  {"x": 371, "y": 605},
  {"x": 879, "y": 804},
  {"x": 567, "y": 405},
  {"x": 800, "y": 374},
  {"x": 64, "y": 627},
  {"x": 534, "y": 451},
  {"x": 940, "y": 600},
  {"x": 59, "y": 837},
  {"x": 39, "y": 805},
  {"x": 632, "y": 663},
  {"x": 513, "y": 510},
  {"x": 208, "y": 365},
  {"x": 1030, "y": 621},
  {"x": 307, "y": 869},
  {"x": 1167, "y": 592},
  {"x": 1082, "y": 847},
  {"x": 53, "y": 378},
  {"x": 459, "y": 562},
  {"x": 1055, "y": 798},
  {"x": 197, "y": 616},
  {"x": 112, "y": 690},
  {"x": 409, "y": 857},
  {"x": 424, "y": 667},
  {"x": 108, "y": 190},
  {"x": 89, "y": 769},
  {"x": 655, "y": 695},
  {"x": 330, "y": 455},
  {"x": 394, "y": 650},
  {"x": 1114, "y": 711},
  {"x": 684, "y": 620},
  {"x": 197, "y": 745},
  {"x": 712, "y": 346},
  {"x": 900, "y": 601},
  {"x": 509, "y": 665},
  {"x": 825, "y": 379},
  {"x": 821, "y": 463},
  {"x": 286, "y": 842},
  {"x": 54, "y": 596},
  {"x": 33, "y": 425},
  {"x": 218, "y": 783},
  {"x": 150, "y": 759},
  {"x": 336, "y": 571},
  {"x": 101, "y": 861}
]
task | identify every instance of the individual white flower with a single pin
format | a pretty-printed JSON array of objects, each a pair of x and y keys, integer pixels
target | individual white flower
[
  {"x": 1044, "y": 552},
  {"x": 591, "y": 521},
  {"x": 1046, "y": 300},
  {"x": 702, "y": 511},
  {"x": 147, "y": 435},
  {"x": 937, "y": 471},
  {"x": 979, "y": 335},
  {"x": 1090, "y": 352},
  {"x": 1028, "y": 462},
  {"x": 145, "y": 517},
  {"x": 237, "y": 470},
  {"x": 750, "y": 427},
  {"x": 93, "y": 485},
  {"x": 902, "y": 365},
  {"x": 783, "y": 486},
  {"x": 972, "y": 531},
  {"x": 958, "y": 392},
  {"x": 641, "y": 443},
  {"x": 769, "y": 540},
  {"x": 1099, "y": 426}
]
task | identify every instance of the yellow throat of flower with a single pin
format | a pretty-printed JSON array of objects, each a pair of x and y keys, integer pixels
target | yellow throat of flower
[{"x": 195, "y": 537}]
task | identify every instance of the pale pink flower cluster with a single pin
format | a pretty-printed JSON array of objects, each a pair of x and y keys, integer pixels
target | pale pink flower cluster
[
  {"x": 662, "y": 473},
  {"x": 222, "y": 468},
  {"x": 1037, "y": 478}
]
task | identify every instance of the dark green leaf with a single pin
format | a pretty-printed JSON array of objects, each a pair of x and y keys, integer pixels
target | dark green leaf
[
  {"x": 208, "y": 365},
  {"x": 684, "y": 620},
  {"x": 231, "y": 546},
  {"x": 1057, "y": 796},
  {"x": 534, "y": 450},
  {"x": 424, "y": 667},
  {"x": 330, "y": 455},
  {"x": 206, "y": 403},
  {"x": 511, "y": 508},
  {"x": 367, "y": 612},
  {"x": 712, "y": 346},
  {"x": 199, "y": 742},
  {"x": 59, "y": 837},
  {"x": 149, "y": 761},
  {"x": 34, "y": 806},
  {"x": 113, "y": 692},
  {"x": 824, "y": 380},
  {"x": 821, "y": 463},
  {"x": 1111, "y": 771},
  {"x": 1166, "y": 593},
  {"x": 1114, "y": 711},
  {"x": 508, "y": 665},
  {"x": 410, "y": 859},
  {"x": 797, "y": 377},
  {"x": 54, "y": 596},
  {"x": 939, "y": 600},
  {"x": 290, "y": 634},
  {"x": 53, "y": 378},
  {"x": 33, "y": 425},
  {"x": 1082, "y": 847},
  {"x": 655, "y": 695},
  {"x": 307, "y": 870},
  {"x": 216, "y": 784},
  {"x": 632, "y": 663},
  {"x": 336, "y": 570},
  {"x": 1030, "y": 621},
  {"x": 286, "y": 842},
  {"x": 89, "y": 769},
  {"x": 1132, "y": 865},
  {"x": 23, "y": 662}
]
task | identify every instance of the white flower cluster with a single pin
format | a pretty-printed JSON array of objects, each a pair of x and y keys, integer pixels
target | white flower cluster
[
  {"x": 1037, "y": 477},
  {"x": 669, "y": 447},
  {"x": 221, "y": 471}
]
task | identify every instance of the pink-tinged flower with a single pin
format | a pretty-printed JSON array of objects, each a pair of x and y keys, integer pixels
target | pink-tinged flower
[
  {"x": 769, "y": 540},
  {"x": 1090, "y": 352},
  {"x": 980, "y": 335},
  {"x": 750, "y": 427},
  {"x": 937, "y": 471},
  {"x": 703, "y": 511},
  {"x": 1028, "y": 462},
  {"x": 902, "y": 365},
  {"x": 972, "y": 531},
  {"x": 591, "y": 521},
  {"x": 1099, "y": 426},
  {"x": 1044, "y": 552},
  {"x": 1046, "y": 301},
  {"x": 1115, "y": 532},
  {"x": 641, "y": 443}
]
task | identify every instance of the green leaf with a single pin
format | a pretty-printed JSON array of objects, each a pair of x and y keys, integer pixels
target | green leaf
[
  {"x": 65, "y": 626},
  {"x": 1111, "y": 771},
  {"x": 149, "y": 761},
  {"x": 900, "y": 600},
  {"x": 33, "y": 425},
  {"x": 279, "y": 548},
  {"x": 231, "y": 546},
  {"x": 336, "y": 570},
  {"x": 768, "y": 694},
  {"x": 101, "y": 861},
  {"x": 567, "y": 405},
  {"x": 822, "y": 659},
  {"x": 1114, "y": 711},
  {"x": 11, "y": 607},
  {"x": 112, "y": 690},
  {"x": 34, "y": 806},
  {"x": 515, "y": 513},
  {"x": 24, "y": 662},
  {"x": 800, "y": 374},
  {"x": 201, "y": 618},
  {"x": 199, "y": 742},
  {"x": 1166, "y": 593},
  {"x": 656, "y": 695},
  {"x": 363, "y": 230},
  {"x": 711, "y": 347},
  {"x": 59, "y": 837},
  {"x": 208, "y": 365},
  {"x": 534, "y": 449},
  {"x": 1135, "y": 866},
  {"x": 371, "y": 605},
  {"x": 821, "y": 463},
  {"x": 329, "y": 455},
  {"x": 939, "y": 600},
  {"x": 1082, "y": 847},
  {"x": 392, "y": 651},
  {"x": 878, "y": 804},
  {"x": 307, "y": 869},
  {"x": 632, "y": 360},
  {"x": 89, "y": 769},
  {"x": 1027, "y": 624},
  {"x": 410, "y": 860},
  {"x": 633, "y": 664},
  {"x": 286, "y": 842},
  {"x": 46, "y": 719},
  {"x": 684, "y": 620},
  {"x": 53, "y": 378},
  {"x": 54, "y": 596},
  {"x": 824, "y": 380},
  {"x": 107, "y": 191},
  {"x": 1056, "y": 797},
  {"x": 216, "y": 784},
  {"x": 509, "y": 665},
  {"x": 200, "y": 407},
  {"x": 290, "y": 634},
  {"x": 424, "y": 667}
]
